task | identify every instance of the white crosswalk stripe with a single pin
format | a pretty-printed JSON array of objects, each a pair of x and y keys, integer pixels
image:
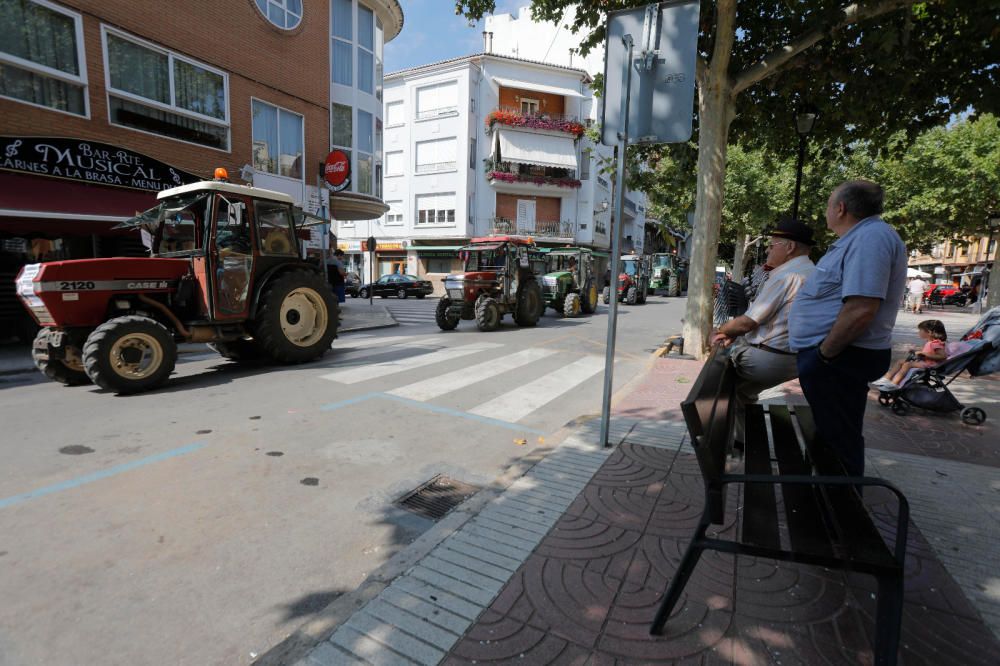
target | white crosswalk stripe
[
  {"x": 376, "y": 370},
  {"x": 412, "y": 311},
  {"x": 515, "y": 405},
  {"x": 452, "y": 381}
]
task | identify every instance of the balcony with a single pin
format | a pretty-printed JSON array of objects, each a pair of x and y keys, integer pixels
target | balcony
[
  {"x": 549, "y": 230},
  {"x": 549, "y": 122},
  {"x": 520, "y": 178}
]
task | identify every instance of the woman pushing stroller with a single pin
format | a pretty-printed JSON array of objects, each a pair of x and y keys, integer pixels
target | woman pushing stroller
[{"x": 932, "y": 354}]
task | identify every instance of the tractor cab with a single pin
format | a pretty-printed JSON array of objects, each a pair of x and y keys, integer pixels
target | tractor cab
[
  {"x": 665, "y": 274},
  {"x": 225, "y": 269},
  {"x": 499, "y": 278},
  {"x": 569, "y": 286}
]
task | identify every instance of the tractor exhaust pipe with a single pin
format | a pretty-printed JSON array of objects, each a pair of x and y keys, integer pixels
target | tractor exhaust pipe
[{"x": 194, "y": 334}]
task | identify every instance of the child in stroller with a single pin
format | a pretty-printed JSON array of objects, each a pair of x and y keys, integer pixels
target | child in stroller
[
  {"x": 927, "y": 388},
  {"x": 933, "y": 352}
]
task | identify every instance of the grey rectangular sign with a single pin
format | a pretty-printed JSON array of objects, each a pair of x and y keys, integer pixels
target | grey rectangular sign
[{"x": 662, "y": 90}]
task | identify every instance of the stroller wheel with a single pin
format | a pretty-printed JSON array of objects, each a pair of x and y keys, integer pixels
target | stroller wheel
[
  {"x": 899, "y": 407},
  {"x": 973, "y": 416},
  {"x": 885, "y": 399}
]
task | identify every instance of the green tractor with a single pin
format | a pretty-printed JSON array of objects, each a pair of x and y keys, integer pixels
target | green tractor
[
  {"x": 569, "y": 286},
  {"x": 666, "y": 274}
]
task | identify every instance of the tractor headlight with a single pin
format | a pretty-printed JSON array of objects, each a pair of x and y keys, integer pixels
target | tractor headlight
[
  {"x": 456, "y": 294},
  {"x": 26, "y": 287},
  {"x": 550, "y": 281}
]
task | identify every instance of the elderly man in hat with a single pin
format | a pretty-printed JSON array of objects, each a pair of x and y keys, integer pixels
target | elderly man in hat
[{"x": 759, "y": 337}]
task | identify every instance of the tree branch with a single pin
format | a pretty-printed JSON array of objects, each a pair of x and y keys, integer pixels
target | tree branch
[
  {"x": 782, "y": 57},
  {"x": 725, "y": 35}
]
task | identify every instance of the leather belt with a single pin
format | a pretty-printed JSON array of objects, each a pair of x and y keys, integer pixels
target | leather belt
[{"x": 771, "y": 349}]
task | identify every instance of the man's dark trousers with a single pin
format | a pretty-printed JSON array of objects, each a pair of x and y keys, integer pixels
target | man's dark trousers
[{"x": 837, "y": 391}]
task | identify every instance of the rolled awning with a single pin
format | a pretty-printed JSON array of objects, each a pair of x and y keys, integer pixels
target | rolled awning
[
  {"x": 537, "y": 87},
  {"x": 536, "y": 148}
]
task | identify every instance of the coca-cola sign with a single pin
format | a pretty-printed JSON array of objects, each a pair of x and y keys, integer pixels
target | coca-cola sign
[
  {"x": 337, "y": 170},
  {"x": 89, "y": 162}
]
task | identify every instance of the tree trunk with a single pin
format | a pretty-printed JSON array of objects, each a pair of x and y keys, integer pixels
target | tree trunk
[
  {"x": 993, "y": 297},
  {"x": 715, "y": 113},
  {"x": 740, "y": 256}
]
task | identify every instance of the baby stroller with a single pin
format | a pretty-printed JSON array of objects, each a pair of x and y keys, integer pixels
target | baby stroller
[{"x": 978, "y": 352}]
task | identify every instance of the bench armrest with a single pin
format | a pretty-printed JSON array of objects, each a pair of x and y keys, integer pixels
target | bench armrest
[{"x": 902, "y": 521}]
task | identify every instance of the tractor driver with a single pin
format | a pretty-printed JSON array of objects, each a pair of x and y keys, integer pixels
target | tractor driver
[{"x": 571, "y": 267}]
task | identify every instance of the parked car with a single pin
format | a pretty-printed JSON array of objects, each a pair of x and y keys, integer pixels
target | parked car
[
  {"x": 353, "y": 284},
  {"x": 399, "y": 286},
  {"x": 945, "y": 294}
]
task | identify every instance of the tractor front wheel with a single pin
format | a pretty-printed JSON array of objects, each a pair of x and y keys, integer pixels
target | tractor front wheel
[
  {"x": 446, "y": 320},
  {"x": 68, "y": 371},
  {"x": 530, "y": 304},
  {"x": 571, "y": 306},
  {"x": 297, "y": 317},
  {"x": 487, "y": 313},
  {"x": 631, "y": 295},
  {"x": 588, "y": 299},
  {"x": 606, "y": 295},
  {"x": 129, "y": 354}
]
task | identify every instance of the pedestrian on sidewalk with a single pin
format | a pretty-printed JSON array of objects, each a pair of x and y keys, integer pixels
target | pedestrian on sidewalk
[
  {"x": 337, "y": 275},
  {"x": 759, "y": 337},
  {"x": 915, "y": 295},
  {"x": 841, "y": 321}
]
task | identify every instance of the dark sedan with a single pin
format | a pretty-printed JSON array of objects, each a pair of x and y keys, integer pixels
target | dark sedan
[{"x": 399, "y": 286}]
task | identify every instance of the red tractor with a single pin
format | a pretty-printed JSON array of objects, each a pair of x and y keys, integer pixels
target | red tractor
[
  {"x": 500, "y": 278},
  {"x": 225, "y": 270},
  {"x": 633, "y": 282}
]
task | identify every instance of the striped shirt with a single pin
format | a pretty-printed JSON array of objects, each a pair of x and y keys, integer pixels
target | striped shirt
[{"x": 774, "y": 301}]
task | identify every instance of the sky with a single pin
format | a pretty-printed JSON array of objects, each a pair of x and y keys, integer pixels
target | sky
[{"x": 432, "y": 32}]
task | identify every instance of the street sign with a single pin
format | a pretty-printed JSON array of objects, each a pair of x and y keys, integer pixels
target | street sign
[{"x": 663, "y": 67}]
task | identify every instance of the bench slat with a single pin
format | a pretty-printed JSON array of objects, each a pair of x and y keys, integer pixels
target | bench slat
[
  {"x": 855, "y": 530},
  {"x": 760, "y": 508},
  {"x": 806, "y": 526}
]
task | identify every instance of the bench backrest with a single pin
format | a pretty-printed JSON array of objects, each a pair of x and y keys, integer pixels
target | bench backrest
[{"x": 710, "y": 414}]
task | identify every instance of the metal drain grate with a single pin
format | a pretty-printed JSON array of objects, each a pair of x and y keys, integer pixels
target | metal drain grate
[{"x": 437, "y": 497}]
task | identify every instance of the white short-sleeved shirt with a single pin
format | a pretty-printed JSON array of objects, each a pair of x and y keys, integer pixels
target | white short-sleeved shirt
[
  {"x": 774, "y": 301},
  {"x": 869, "y": 260},
  {"x": 917, "y": 286}
]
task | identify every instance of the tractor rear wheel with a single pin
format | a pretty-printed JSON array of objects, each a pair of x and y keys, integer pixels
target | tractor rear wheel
[
  {"x": 487, "y": 313},
  {"x": 530, "y": 304},
  {"x": 446, "y": 321},
  {"x": 631, "y": 295},
  {"x": 571, "y": 306},
  {"x": 588, "y": 298},
  {"x": 129, "y": 354},
  {"x": 606, "y": 295},
  {"x": 69, "y": 371},
  {"x": 297, "y": 317},
  {"x": 238, "y": 350}
]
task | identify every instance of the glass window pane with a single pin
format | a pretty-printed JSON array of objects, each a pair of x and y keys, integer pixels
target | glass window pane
[
  {"x": 364, "y": 174},
  {"x": 394, "y": 113},
  {"x": 290, "y": 160},
  {"x": 342, "y": 61},
  {"x": 262, "y": 6},
  {"x": 199, "y": 90},
  {"x": 139, "y": 116},
  {"x": 42, "y": 90},
  {"x": 366, "y": 28},
  {"x": 138, "y": 70},
  {"x": 366, "y": 75},
  {"x": 274, "y": 224},
  {"x": 265, "y": 137},
  {"x": 38, "y": 34},
  {"x": 378, "y": 136},
  {"x": 342, "y": 125},
  {"x": 364, "y": 131},
  {"x": 295, "y": 7},
  {"x": 342, "y": 11},
  {"x": 276, "y": 14}
]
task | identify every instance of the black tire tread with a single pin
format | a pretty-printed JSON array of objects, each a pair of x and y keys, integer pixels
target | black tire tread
[
  {"x": 108, "y": 380},
  {"x": 267, "y": 329}
]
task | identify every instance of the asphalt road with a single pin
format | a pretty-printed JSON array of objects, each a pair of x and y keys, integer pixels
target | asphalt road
[{"x": 201, "y": 523}]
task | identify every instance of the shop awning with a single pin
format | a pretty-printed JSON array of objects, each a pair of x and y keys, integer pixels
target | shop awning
[
  {"x": 537, "y": 87},
  {"x": 534, "y": 148}
]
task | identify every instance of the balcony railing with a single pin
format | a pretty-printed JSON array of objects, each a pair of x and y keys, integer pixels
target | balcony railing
[
  {"x": 543, "y": 121},
  {"x": 539, "y": 228},
  {"x": 512, "y": 172}
]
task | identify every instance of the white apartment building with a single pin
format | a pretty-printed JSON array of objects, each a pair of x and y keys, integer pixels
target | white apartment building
[{"x": 483, "y": 145}]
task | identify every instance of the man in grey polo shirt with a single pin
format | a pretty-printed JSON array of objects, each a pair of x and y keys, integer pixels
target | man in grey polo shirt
[{"x": 842, "y": 318}]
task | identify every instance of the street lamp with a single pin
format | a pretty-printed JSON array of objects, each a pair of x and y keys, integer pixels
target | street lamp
[
  {"x": 604, "y": 205},
  {"x": 994, "y": 225},
  {"x": 805, "y": 120}
]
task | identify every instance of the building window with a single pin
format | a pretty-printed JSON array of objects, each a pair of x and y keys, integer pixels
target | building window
[
  {"x": 342, "y": 50},
  {"x": 394, "y": 164},
  {"x": 341, "y": 125},
  {"x": 379, "y": 58},
  {"x": 472, "y": 153},
  {"x": 286, "y": 14},
  {"x": 437, "y": 155},
  {"x": 439, "y": 265},
  {"x": 378, "y": 180},
  {"x": 437, "y": 100},
  {"x": 529, "y": 107},
  {"x": 366, "y": 147},
  {"x": 378, "y": 136},
  {"x": 277, "y": 140},
  {"x": 364, "y": 174},
  {"x": 366, "y": 50},
  {"x": 394, "y": 114},
  {"x": 585, "y": 164},
  {"x": 394, "y": 217},
  {"x": 41, "y": 56},
  {"x": 155, "y": 90},
  {"x": 436, "y": 209}
]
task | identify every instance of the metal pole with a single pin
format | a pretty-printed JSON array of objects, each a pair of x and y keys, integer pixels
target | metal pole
[
  {"x": 986, "y": 277},
  {"x": 616, "y": 240},
  {"x": 798, "y": 176}
]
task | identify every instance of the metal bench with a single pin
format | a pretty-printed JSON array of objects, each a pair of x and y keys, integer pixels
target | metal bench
[{"x": 825, "y": 518}]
